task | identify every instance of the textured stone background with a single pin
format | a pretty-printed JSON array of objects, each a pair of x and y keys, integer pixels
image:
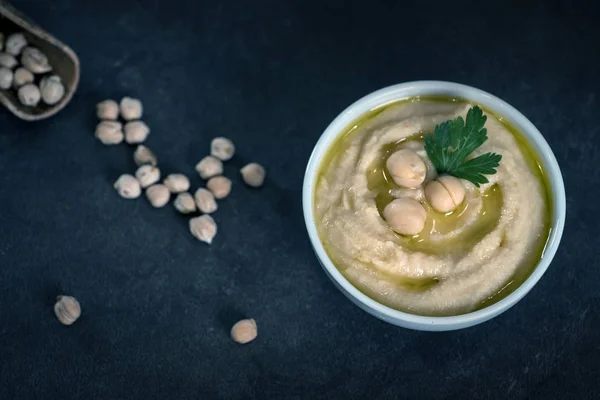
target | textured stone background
[{"x": 271, "y": 75}]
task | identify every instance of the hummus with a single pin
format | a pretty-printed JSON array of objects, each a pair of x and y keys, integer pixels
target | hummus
[{"x": 462, "y": 260}]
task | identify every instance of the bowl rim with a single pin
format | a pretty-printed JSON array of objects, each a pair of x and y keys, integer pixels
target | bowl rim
[{"x": 501, "y": 108}]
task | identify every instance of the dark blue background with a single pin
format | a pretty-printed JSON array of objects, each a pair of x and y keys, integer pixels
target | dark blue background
[{"x": 158, "y": 305}]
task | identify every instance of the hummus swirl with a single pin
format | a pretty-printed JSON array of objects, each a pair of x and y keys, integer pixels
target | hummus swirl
[{"x": 461, "y": 260}]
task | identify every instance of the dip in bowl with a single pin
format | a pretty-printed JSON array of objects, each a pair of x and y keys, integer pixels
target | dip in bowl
[{"x": 432, "y": 251}]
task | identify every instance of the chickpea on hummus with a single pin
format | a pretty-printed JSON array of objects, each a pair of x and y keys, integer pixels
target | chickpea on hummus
[{"x": 423, "y": 242}]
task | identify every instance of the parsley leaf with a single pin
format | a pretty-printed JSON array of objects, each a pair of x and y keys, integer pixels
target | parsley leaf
[
  {"x": 474, "y": 169},
  {"x": 453, "y": 141}
]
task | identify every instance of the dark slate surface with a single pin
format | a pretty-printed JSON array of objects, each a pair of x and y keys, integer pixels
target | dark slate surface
[{"x": 271, "y": 75}]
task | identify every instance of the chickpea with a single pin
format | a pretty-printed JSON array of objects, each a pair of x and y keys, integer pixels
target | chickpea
[
  {"x": 405, "y": 216},
  {"x": 108, "y": 132},
  {"x": 107, "y": 109},
  {"x": 253, "y": 174},
  {"x": 177, "y": 183},
  {"x": 131, "y": 108},
  {"x": 147, "y": 175},
  {"x": 205, "y": 201},
  {"x": 128, "y": 187},
  {"x": 158, "y": 195},
  {"x": 209, "y": 166},
  {"x": 445, "y": 194},
  {"x": 52, "y": 89},
  {"x": 406, "y": 168},
  {"x": 203, "y": 228},
  {"x": 15, "y": 43},
  {"x": 136, "y": 132},
  {"x": 143, "y": 155},
  {"x": 219, "y": 186},
  {"x": 6, "y": 78},
  {"x": 22, "y": 77},
  {"x": 35, "y": 61},
  {"x": 184, "y": 203},
  {"x": 67, "y": 309},
  {"x": 222, "y": 148},
  {"x": 8, "y": 61},
  {"x": 244, "y": 331},
  {"x": 29, "y": 95}
]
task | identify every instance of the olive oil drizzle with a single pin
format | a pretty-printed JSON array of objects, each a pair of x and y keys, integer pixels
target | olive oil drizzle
[{"x": 380, "y": 182}]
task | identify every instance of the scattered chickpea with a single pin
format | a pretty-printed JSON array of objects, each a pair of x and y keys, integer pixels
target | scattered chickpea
[
  {"x": 6, "y": 78},
  {"x": 445, "y": 194},
  {"x": 128, "y": 187},
  {"x": 67, "y": 309},
  {"x": 35, "y": 61},
  {"x": 406, "y": 168},
  {"x": 405, "y": 216},
  {"x": 244, "y": 331},
  {"x": 147, "y": 175},
  {"x": 52, "y": 89},
  {"x": 107, "y": 109},
  {"x": 222, "y": 148},
  {"x": 203, "y": 228},
  {"x": 253, "y": 174},
  {"x": 22, "y": 77},
  {"x": 220, "y": 186},
  {"x": 209, "y": 166},
  {"x": 8, "y": 61},
  {"x": 29, "y": 95},
  {"x": 131, "y": 108},
  {"x": 15, "y": 43},
  {"x": 177, "y": 183},
  {"x": 205, "y": 201},
  {"x": 158, "y": 195},
  {"x": 136, "y": 132},
  {"x": 109, "y": 132},
  {"x": 143, "y": 155},
  {"x": 184, "y": 203}
]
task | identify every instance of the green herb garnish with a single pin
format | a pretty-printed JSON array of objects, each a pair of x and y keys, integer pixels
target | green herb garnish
[{"x": 453, "y": 141}]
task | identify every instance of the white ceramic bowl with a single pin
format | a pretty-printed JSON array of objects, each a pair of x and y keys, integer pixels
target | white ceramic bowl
[{"x": 435, "y": 88}]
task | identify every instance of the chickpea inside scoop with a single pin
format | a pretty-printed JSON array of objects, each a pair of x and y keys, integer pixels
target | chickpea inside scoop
[
  {"x": 407, "y": 216},
  {"x": 445, "y": 194},
  {"x": 406, "y": 168}
]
